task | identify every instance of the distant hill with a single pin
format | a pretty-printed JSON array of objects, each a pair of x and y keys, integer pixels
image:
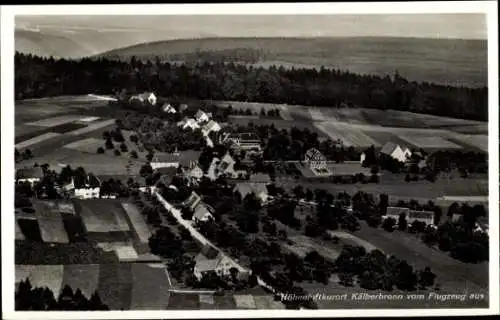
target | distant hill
[
  {"x": 455, "y": 62},
  {"x": 44, "y": 44}
]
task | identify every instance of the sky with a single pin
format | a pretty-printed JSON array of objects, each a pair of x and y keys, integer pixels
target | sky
[{"x": 152, "y": 28}]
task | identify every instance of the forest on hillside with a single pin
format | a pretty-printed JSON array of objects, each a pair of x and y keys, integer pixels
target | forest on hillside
[{"x": 37, "y": 77}]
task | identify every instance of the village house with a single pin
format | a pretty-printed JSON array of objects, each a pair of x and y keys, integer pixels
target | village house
[
  {"x": 226, "y": 167},
  {"x": 242, "y": 141},
  {"x": 188, "y": 123},
  {"x": 211, "y": 126},
  {"x": 29, "y": 175},
  {"x": 201, "y": 213},
  {"x": 315, "y": 159},
  {"x": 395, "y": 212},
  {"x": 213, "y": 260},
  {"x": 195, "y": 174},
  {"x": 258, "y": 189},
  {"x": 167, "y": 107},
  {"x": 395, "y": 151},
  {"x": 87, "y": 187},
  {"x": 201, "y": 116},
  {"x": 165, "y": 160},
  {"x": 192, "y": 201},
  {"x": 149, "y": 97}
]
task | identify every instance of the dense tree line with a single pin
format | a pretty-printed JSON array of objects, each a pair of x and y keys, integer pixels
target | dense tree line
[
  {"x": 41, "y": 77},
  {"x": 30, "y": 298}
]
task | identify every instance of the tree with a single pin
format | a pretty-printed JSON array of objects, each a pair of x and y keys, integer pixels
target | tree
[
  {"x": 298, "y": 191},
  {"x": 407, "y": 177},
  {"x": 27, "y": 154},
  {"x": 389, "y": 224},
  {"x": 100, "y": 150},
  {"x": 117, "y": 152},
  {"x": 426, "y": 278},
  {"x": 150, "y": 156},
  {"x": 109, "y": 143},
  {"x": 402, "y": 223},
  {"x": 309, "y": 195},
  {"x": 123, "y": 147},
  {"x": 133, "y": 154},
  {"x": 346, "y": 279},
  {"x": 187, "y": 213},
  {"x": 146, "y": 170},
  {"x": 134, "y": 139}
]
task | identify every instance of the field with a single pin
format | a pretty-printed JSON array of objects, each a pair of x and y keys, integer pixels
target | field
[
  {"x": 478, "y": 141},
  {"x": 142, "y": 230},
  {"x": 121, "y": 285},
  {"x": 352, "y": 240},
  {"x": 56, "y": 121},
  {"x": 430, "y": 142},
  {"x": 36, "y": 140},
  {"x": 102, "y": 215},
  {"x": 349, "y": 136},
  {"x": 99, "y": 164}
]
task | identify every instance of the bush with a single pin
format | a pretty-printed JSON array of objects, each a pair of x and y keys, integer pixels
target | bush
[
  {"x": 100, "y": 150},
  {"x": 117, "y": 152}
]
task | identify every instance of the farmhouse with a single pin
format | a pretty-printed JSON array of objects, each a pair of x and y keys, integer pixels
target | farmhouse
[
  {"x": 87, "y": 187},
  {"x": 258, "y": 189},
  {"x": 165, "y": 160},
  {"x": 395, "y": 212},
  {"x": 395, "y": 151},
  {"x": 315, "y": 159},
  {"x": 213, "y": 260},
  {"x": 192, "y": 201},
  {"x": 149, "y": 97},
  {"x": 188, "y": 123},
  {"x": 211, "y": 126},
  {"x": 201, "y": 116},
  {"x": 201, "y": 213},
  {"x": 423, "y": 216},
  {"x": 29, "y": 175},
  {"x": 242, "y": 141},
  {"x": 226, "y": 167},
  {"x": 168, "y": 108}
]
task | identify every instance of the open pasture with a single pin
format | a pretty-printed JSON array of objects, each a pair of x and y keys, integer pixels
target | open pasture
[
  {"x": 349, "y": 136},
  {"x": 93, "y": 127},
  {"x": 430, "y": 142},
  {"x": 50, "y": 276},
  {"x": 98, "y": 164},
  {"x": 55, "y": 121},
  {"x": 477, "y": 141},
  {"x": 144, "y": 277},
  {"x": 82, "y": 276},
  {"x": 89, "y": 145},
  {"x": 102, "y": 215},
  {"x": 36, "y": 140}
]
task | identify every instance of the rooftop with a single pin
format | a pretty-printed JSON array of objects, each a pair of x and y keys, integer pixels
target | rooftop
[
  {"x": 89, "y": 181},
  {"x": 165, "y": 157},
  {"x": 389, "y": 148},
  {"x": 201, "y": 211}
]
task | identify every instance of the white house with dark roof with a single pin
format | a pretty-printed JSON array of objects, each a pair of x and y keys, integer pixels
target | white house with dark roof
[
  {"x": 87, "y": 187},
  {"x": 29, "y": 175},
  {"x": 188, "y": 123},
  {"x": 201, "y": 116},
  {"x": 395, "y": 151},
  {"x": 242, "y": 141},
  {"x": 410, "y": 215},
  {"x": 165, "y": 160},
  {"x": 315, "y": 159},
  {"x": 213, "y": 260},
  {"x": 167, "y": 107},
  {"x": 149, "y": 97},
  {"x": 211, "y": 126}
]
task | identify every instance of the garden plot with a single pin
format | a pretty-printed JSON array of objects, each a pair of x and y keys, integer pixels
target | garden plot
[
  {"x": 50, "y": 276},
  {"x": 244, "y": 301},
  {"x": 479, "y": 141},
  {"x": 102, "y": 216},
  {"x": 93, "y": 126},
  {"x": 115, "y": 285},
  {"x": 349, "y": 136},
  {"x": 50, "y": 222},
  {"x": 89, "y": 145},
  {"x": 137, "y": 221},
  {"x": 144, "y": 277},
  {"x": 82, "y": 276},
  {"x": 428, "y": 142},
  {"x": 37, "y": 139},
  {"x": 56, "y": 121},
  {"x": 350, "y": 239}
]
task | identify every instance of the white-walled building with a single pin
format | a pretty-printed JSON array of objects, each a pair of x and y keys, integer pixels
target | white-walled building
[
  {"x": 201, "y": 116},
  {"x": 29, "y": 175},
  {"x": 315, "y": 159},
  {"x": 168, "y": 108},
  {"x": 188, "y": 123},
  {"x": 213, "y": 260},
  {"x": 88, "y": 187},
  {"x": 149, "y": 97},
  {"x": 211, "y": 126},
  {"x": 258, "y": 189},
  {"x": 395, "y": 151},
  {"x": 165, "y": 160}
]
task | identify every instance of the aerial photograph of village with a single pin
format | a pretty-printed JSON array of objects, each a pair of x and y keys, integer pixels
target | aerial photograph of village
[{"x": 251, "y": 162}]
